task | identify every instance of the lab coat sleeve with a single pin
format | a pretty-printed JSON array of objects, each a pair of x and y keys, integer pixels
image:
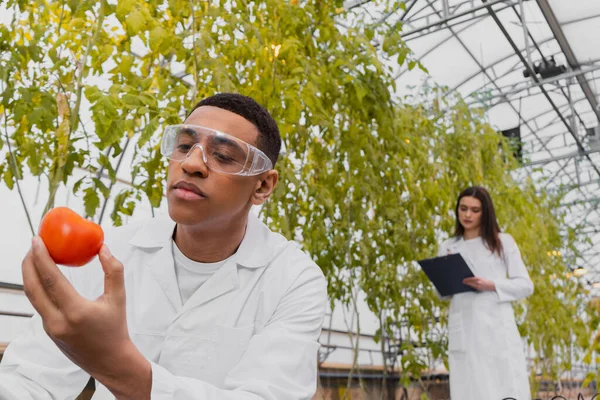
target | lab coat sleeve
[
  {"x": 517, "y": 285},
  {"x": 280, "y": 362},
  {"x": 33, "y": 368}
]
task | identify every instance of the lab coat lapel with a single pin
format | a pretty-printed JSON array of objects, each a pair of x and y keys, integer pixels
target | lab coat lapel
[
  {"x": 155, "y": 239},
  {"x": 459, "y": 247},
  {"x": 223, "y": 281},
  {"x": 455, "y": 246},
  {"x": 163, "y": 269}
]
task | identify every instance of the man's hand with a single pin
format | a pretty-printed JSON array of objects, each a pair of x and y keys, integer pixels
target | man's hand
[
  {"x": 92, "y": 334},
  {"x": 481, "y": 284}
]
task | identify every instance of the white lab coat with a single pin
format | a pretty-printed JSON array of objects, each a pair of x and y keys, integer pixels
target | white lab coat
[
  {"x": 485, "y": 350},
  {"x": 250, "y": 332}
]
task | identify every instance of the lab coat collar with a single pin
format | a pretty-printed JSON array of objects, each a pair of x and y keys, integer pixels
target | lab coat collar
[
  {"x": 455, "y": 244},
  {"x": 254, "y": 251}
]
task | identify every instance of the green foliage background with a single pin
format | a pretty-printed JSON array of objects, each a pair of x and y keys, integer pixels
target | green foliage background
[{"x": 369, "y": 181}]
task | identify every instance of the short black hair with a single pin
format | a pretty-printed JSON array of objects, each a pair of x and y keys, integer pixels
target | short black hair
[{"x": 269, "y": 139}]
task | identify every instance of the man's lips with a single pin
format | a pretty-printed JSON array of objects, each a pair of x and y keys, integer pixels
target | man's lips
[{"x": 182, "y": 187}]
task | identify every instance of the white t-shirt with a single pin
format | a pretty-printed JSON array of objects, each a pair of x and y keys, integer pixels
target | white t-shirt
[{"x": 191, "y": 274}]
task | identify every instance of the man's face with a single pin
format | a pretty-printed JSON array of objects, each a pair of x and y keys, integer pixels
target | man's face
[{"x": 222, "y": 197}]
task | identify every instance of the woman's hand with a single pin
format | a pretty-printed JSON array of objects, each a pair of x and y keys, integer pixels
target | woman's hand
[{"x": 480, "y": 284}]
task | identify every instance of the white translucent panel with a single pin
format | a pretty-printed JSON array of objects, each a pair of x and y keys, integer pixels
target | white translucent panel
[
  {"x": 584, "y": 38},
  {"x": 549, "y": 48},
  {"x": 503, "y": 73},
  {"x": 532, "y": 106},
  {"x": 569, "y": 10},
  {"x": 421, "y": 44},
  {"x": 503, "y": 117},
  {"x": 450, "y": 65},
  {"x": 458, "y": 3},
  {"x": 544, "y": 119},
  {"x": 408, "y": 80},
  {"x": 583, "y": 109},
  {"x": 473, "y": 85},
  {"x": 506, "y": 66},
  {"x": 549, "y": 131},
  {"x": 485, "y": 41},
  {"x": 589, "y": 118},
  {"x": 593, "y": 79},
  {"x": 548, "y": 115},
  {"x": 536, "y": 23},
  {"x": 537, "y": 128},
  {"x": 11, "y": 327},
  {"x": 510, "y": 21},
  {"x": 15, "y": 302},
  {"x": 511, "y": 78}
]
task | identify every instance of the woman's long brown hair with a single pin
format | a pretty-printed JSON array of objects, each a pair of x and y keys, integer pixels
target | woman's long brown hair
[{"x": 489, "y": 225}]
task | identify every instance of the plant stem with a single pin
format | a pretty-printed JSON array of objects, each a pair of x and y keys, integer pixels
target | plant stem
[
  {"x": 17, "y": 175},
  {"x": 57, "y": 176}
]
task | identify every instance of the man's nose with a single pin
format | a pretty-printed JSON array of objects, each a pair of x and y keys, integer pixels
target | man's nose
[{"x": 195, "y": 161}]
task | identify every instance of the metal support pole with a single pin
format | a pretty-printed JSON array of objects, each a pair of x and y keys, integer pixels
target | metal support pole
[
  {"x": 525, "y": 34},
  {"x": 574, "y": 129},
  {"x": 12, "y": 287},
  {"x": 446, "y": 8}
]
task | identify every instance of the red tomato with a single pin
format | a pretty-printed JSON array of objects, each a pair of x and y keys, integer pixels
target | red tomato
[{"x": 71, "y": 240}]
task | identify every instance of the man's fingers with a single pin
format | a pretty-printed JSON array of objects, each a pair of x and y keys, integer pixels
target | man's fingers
[
  {"x": 54, "y": 283},
  {"x": 35, "y": 292},
  {"x": 114, "y": 279}
]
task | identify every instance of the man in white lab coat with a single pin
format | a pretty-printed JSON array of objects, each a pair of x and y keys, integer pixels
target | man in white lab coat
[{"x": 207, "y": 304}]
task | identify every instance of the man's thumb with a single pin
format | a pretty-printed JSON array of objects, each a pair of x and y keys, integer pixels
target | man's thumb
[{"x": 114, "y": 281}]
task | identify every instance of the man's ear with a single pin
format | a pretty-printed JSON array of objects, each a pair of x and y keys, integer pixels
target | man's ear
[{"x": 264, "y": 187}]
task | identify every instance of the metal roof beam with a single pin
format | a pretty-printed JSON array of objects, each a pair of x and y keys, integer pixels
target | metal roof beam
[
  {"x": 481, "y": 68},
  {"x": 568, "y": 52},
  {"x": 516, "y": 50},
  {"x": 452, "y": 17},
  {"x": 552, "y": 110},
  {"x": 557, "y": 158},
  {"x": 566, "y": 75},
  {"x": 594, "y": 201}
]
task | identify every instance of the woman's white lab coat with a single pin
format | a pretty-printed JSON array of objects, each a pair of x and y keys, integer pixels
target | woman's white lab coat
[
  {"x": 485, "y": 350},
  {"x": 249, "y": 332}
]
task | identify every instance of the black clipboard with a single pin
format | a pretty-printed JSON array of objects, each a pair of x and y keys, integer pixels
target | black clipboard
[{"x": 447, "y": 273}]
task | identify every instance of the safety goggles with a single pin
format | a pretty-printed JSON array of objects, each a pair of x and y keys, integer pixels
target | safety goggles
[{"x": 220, "y": 151}]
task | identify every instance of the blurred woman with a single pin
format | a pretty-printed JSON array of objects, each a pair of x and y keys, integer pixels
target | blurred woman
[{"x": 485, "y": 349}]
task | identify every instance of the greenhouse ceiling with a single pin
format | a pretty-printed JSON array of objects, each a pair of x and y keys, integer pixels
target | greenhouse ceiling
[{"x": 535, "y": 67}]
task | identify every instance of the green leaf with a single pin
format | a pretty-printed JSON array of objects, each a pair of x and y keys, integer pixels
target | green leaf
[
  {"x": 125, "y": 64},
  {"x": 135, "y": 22},
  {"x": 91, "y": 201},
  {"x": 157, "y": 36},
  {"x": 77, "y": 185},
  {"x": 8, "y": 178},
  {"x": 149, "y": 130},
  {"x": 102, "y": 187},
  {"x": 124, "y": 7}
]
